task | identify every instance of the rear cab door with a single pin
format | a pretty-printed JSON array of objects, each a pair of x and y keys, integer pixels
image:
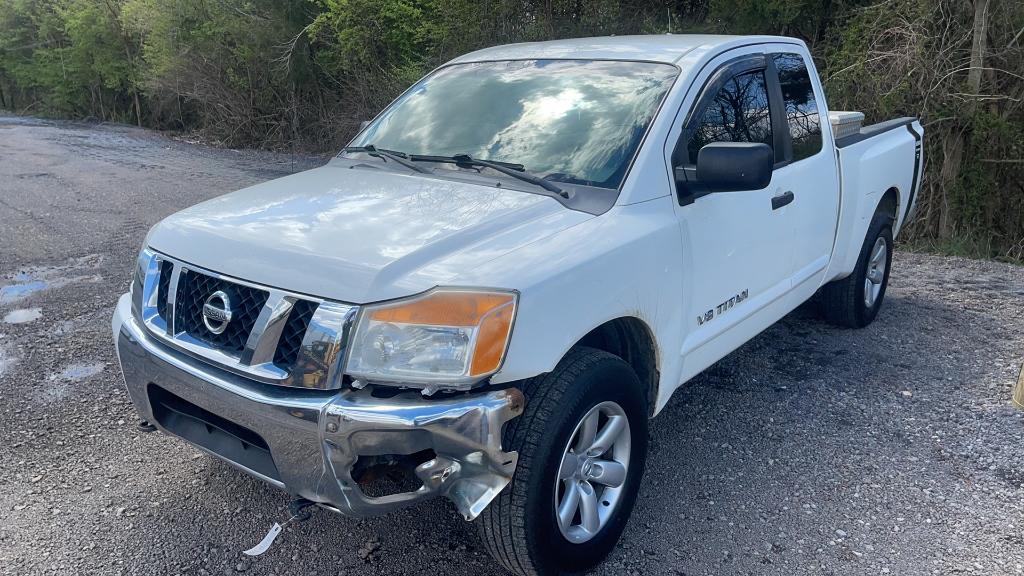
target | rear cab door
[{"x": 806, "y": 165}]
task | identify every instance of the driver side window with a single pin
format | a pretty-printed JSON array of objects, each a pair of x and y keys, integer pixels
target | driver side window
[{"x": 738, "y": 113}]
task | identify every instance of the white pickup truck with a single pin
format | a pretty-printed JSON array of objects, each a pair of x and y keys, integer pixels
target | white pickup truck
[{"x": 507, "y": 273}]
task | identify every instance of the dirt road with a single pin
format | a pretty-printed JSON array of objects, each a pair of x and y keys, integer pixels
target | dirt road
[{"x": 812, "y": 450}]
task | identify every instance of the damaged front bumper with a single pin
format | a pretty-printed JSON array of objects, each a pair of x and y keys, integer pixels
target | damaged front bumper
[{"x": 315, "y": 444}]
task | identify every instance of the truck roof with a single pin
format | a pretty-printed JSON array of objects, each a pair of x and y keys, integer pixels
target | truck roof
[{"x": 668, "y": 48}]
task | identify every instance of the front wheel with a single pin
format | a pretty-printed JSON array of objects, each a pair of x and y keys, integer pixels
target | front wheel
[
  {"x": 582, "y": 443},
  {"x": 854, "y": 301}
]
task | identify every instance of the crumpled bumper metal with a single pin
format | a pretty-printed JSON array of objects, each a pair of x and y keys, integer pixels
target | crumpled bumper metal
[{"x": 315, "y": 438}]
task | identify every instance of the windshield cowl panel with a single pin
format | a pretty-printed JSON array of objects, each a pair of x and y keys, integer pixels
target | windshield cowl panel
[{"x": 576, "y": 122}]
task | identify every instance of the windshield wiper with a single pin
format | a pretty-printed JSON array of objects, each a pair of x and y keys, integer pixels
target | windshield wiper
[
  {"x": 513, "y": 170},
  {"x": 399, "y": 157}
]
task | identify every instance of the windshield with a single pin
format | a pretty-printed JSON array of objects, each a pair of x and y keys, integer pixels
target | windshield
[{"x": 575, "y": 121}]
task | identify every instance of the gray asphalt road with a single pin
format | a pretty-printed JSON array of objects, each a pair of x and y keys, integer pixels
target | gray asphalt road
[{"x": 811, "y": 450}]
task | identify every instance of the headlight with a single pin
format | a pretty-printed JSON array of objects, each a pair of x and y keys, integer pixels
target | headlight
[{"x": 447, "y": 337}]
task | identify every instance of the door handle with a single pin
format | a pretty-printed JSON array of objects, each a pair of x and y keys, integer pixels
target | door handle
[{"x": 781, "y": 200}]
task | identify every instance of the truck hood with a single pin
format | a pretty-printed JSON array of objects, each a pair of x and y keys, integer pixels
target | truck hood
[{"x": 358, "y": 234}]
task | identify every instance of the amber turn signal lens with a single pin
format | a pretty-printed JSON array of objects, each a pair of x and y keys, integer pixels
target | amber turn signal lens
[
  {"x": 492, "y": 338},
  {"x": 444, "y": 309}
]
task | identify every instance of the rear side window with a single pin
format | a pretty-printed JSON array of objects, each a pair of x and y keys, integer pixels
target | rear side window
[
  {"x": 739, "y": 113},
  {"x": 801, "y": 107}
]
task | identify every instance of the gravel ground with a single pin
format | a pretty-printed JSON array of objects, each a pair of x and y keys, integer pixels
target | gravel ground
[{"x": 811, "y": 450}]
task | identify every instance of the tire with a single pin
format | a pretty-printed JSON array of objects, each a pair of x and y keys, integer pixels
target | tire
[
  {"x": 847, "y": 302},
  {"x": 520, "y": 528}
]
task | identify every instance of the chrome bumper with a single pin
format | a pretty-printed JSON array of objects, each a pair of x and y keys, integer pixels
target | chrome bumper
[{"x": 307, "y": 441}]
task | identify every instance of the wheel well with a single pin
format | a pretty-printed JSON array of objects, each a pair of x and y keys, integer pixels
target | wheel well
[
  {"x": 630, "y": 339},
  {"x": 889, "y": 203}
]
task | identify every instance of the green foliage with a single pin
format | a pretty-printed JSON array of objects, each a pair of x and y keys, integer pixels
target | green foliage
[
  {"x": 68, "y": 58},
  {"x": 271, "y": 73},
  {"x": 372, "y": 33},
  {"x": 769, "y": 16},
  {"x": 238, "y": 70},
  {"x": 910, "y": 57},
  {"x": 805, "y": 19}
]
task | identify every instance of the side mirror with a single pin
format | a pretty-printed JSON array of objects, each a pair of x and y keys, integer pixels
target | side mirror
[
  {"x": 363, "y": 125},
  {"x": 733, "y": 166}
]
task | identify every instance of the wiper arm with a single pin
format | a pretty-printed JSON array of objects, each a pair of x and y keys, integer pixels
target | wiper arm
[
  {"x": 513, "y": 170},
  {"x": 508, "y": 168},
  {"x": 504, "y": 169},
  {"x": 399, "y": 157},
  {"x": 459, "y": 160}
]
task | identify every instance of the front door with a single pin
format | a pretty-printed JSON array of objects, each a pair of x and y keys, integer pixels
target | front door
[{"x": 737, "y": 246}]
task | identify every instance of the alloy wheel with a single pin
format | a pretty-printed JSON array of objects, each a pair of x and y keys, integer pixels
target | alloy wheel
[
  {"x": 876, "y": 272},
  {"x": 594, "y": 467}
]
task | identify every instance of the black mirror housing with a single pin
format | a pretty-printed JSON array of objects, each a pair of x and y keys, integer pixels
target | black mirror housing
[{"x": 734, "y": 166}]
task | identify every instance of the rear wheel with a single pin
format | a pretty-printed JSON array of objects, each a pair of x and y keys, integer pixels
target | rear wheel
[
  {"x": 582, "y": 443},
  {"x": 854, "y": 301}
]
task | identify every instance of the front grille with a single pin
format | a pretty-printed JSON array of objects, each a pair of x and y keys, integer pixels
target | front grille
[
  {"x": 166, "y": 267},
  {"x": 246, "y": 302},
  {"x": 293, "y": 333},
  {"x": 265, "y": 347}
]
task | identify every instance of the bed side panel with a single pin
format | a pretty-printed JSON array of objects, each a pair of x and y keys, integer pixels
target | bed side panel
[{"x": 867, "y": 168}]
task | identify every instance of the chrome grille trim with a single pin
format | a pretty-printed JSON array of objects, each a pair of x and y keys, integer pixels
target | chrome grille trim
[
  {"x": 172, "y": 299},
  {"x": 318, "y": 363},
  {"x": 264, "y": 337}
]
